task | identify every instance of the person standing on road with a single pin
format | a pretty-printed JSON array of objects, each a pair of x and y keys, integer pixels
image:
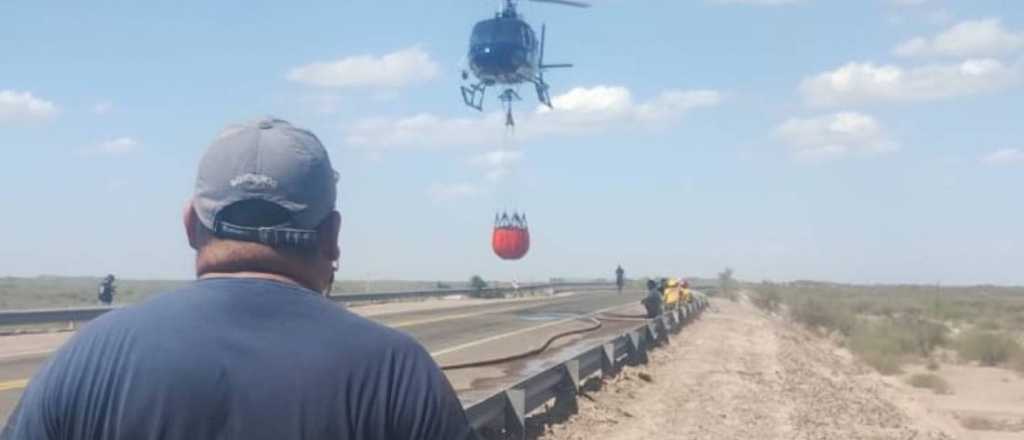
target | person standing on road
[
  {"x": 652, "y": 302},
  {"x": 252, "y": 349},
  {"x": 620, "y": 278},
  {"x": 106, "y": 291}
]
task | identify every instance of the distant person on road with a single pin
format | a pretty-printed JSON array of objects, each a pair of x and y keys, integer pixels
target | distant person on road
[
  {"x": 106, "y": 291},
  {"x": 652, "y": 302},
  {"x": 620, "y": 278},
  {"x": 252, "y": 349}
]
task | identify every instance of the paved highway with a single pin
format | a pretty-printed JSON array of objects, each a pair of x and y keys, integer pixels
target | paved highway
[{"x": 453, "y": 331}]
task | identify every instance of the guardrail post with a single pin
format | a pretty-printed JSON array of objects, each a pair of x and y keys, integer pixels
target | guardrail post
[
  {"x": 565, "y": 396},
  {"x": 664, "y": 325},
  {"x": 608, "y": 359},
  {"x": 637, "y": 353},
  {"x": 652, "y": 333},
  {"x": 515, "y": 413}
]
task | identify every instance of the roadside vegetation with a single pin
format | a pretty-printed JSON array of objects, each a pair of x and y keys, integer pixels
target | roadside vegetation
[
  {"x": 930, "y": 381},
  {"x": 727, "y": 285},
  {"x": 889, "y": 327}
]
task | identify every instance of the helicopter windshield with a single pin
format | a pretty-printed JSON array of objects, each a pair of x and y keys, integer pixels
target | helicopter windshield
[{"x": 499, "y": 31}]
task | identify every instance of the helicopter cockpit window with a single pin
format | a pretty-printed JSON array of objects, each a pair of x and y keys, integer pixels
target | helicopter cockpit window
[{"x": 499, "y": 31}]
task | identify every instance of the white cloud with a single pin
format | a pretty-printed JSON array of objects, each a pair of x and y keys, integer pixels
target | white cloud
[
  {"x": 857, "y": 83},
  {"x": 580, "y": 111},
  {"x": 976, "y": 38},
  {"x": 18, "y": 106},
  {"x": 498, "y": 163},
  {"x": 393, "y": 70},
  {"x": 427, "y": 131},
  {"x": 835, "y": 135},
  {"x": 115, "y": 147},
  {"x": 1004, "y": 156},
  {"x": 102, "y": 107},
  {"x": 445, "y": 192}
]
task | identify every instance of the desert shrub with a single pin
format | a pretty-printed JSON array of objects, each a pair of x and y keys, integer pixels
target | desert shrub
[
  {"x": 930, "y": 381},
  {"x": 767, "y": 297},
  {"x": 816, "y": 314},
  {"x": 874, "y": 344},
  {"x": 989, "y": 349},
  {"x": 921, "y": 336},
  {"x": 479, "y": 286},
  {"x": 883, "y": 363},
  {"x": 887, "y": 344},
  {"x": 727, "y": 285}
]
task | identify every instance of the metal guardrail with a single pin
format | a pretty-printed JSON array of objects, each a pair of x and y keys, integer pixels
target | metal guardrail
[
  {"x": 45, "y": 316},
  {"x": 80, "y": 314},
  {"x": 506, "y": 410}
]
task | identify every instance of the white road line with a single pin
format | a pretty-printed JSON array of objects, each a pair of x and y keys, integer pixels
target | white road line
[
  {"x": 13, "y": 384},
  {"x": 21, "y": 354},
  {"x": 518, "y": 332}
]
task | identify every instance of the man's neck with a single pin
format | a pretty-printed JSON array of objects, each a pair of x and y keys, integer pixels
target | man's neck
[{"x": 256, "y": 275}]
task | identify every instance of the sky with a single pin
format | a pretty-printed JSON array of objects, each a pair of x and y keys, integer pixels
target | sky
[{"x": 854, "y": 141}]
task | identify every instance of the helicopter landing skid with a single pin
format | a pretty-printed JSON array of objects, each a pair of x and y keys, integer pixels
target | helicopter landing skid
[{"x": 473, "y": 96}]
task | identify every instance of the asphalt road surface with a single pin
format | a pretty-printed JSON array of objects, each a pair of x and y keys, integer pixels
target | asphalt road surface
[{"x": 453, "y": 331}]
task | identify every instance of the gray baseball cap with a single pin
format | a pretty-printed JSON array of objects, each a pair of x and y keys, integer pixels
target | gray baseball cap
[{"x": 267, "y": 160}]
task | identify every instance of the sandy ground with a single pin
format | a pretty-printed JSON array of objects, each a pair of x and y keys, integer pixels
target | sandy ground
[
  {"x": 989, "y": 402},
  {"x": 738, "y": 374}
]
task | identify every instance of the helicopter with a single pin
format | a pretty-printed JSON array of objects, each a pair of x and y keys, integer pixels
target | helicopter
[{"x": 505, "y": 51}]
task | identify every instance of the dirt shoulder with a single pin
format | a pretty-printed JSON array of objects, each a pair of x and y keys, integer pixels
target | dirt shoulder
[{"x": 739, "y": 374}]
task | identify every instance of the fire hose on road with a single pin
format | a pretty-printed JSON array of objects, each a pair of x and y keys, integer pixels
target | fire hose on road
[{"x": 596, "y": 325}]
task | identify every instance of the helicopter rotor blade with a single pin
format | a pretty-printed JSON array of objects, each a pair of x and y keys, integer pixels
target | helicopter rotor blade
[{"x": 565, "y": 2}]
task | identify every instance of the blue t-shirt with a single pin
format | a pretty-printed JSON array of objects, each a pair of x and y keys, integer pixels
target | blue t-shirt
[{"x": 238, "y": 359}]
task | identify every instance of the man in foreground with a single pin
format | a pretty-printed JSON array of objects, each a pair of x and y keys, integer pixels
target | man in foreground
[{"x": 252, "y": 349}]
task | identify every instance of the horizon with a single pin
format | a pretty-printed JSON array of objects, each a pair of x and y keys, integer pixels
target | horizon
[
  {"x": 862, "y": 142},
  {"x": 566, "y": 279}
]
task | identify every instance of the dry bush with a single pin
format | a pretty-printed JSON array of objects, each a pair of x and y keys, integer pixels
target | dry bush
[
  {"x": 989, "y": 349},
  {"x": 727, "y": 285},
  {"x": 884, "y": 363},
  {"x": 887, "y": 344},
  {"x": 816, "y": 314},
  {"x": 767, "y": 297},
  {"x": 930, "y": 381}
]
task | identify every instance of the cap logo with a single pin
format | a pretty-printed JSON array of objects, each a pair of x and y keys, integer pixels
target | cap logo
[{"x": 254, "y": 182}]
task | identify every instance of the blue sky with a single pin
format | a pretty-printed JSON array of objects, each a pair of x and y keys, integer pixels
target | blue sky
[{"x": 869, "y": 141}]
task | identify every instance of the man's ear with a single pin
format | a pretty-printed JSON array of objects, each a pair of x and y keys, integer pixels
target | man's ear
[
  {"x": 190, "y": 221},
  {"x": 328, "y": 234}
]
